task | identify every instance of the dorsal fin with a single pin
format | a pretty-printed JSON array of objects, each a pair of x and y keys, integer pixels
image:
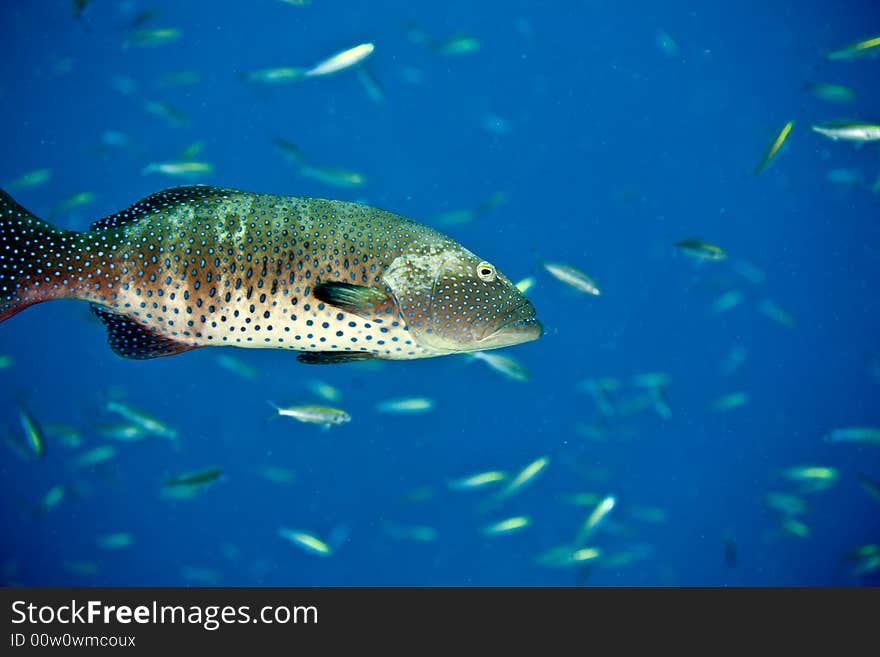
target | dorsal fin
[
  {"x": 158, "y": 201},
  {"x": 132, "y": 340}
]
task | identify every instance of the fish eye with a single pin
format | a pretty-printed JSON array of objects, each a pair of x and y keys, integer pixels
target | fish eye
[{"x": 486, "y": 272}]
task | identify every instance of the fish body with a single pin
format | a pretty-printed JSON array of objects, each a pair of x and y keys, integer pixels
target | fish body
[
  {"x": 786, "y": 503},
  {"x": 458, "y": 44},
  {"x": 865, "y": 435},
  {"x": 858, "y": 132},
  {"x": 749, "y": 271},
  {"x": 871, "y": 486},
  {"x": 325, "y": 391},
  {"x": 31, "y": 433},
  {"x": 701, "y": 250},
  {"x": 730, "y": 401},
  {"x": 179, "y": 78},
  {"x": 507, "y": 525},
  {"x": 72, "y": 202},
  {"x": 526, "y": 284},
  {"x": 65, "y": 434},
  {"x": 375, "y": 90},
  {"x": 167, "y": 112},
  {"x": 82, "y": 568},
  {"x": 183, "y": 169},
  {"x": 139, "y": 418},
  {"x": 30, "y": 179},
  {"x": 660, "y": 402},
  {"x": 52, "y": 498},
  {"x": 774, "y": 147},
  {"x": 333, "y": 176},
  {"x": 196, "y": 266},
  {"x": 306, "y": 541},
  {"x": 777, "y": 314},
  {"x": 200, "y": 478},
  {"x": 841, "y": 176},
  {"x": 726, "y": 301},
  {"x": 115, "y": 541},
  {"x": 191, "y": 150},
  {"x": 153, "y": 37},
  {"x": 666, "y": 43},
  {"x": 812, "y": 478},
  {"x": 572, "y": 277},
  {"x": 505, "y": 365},
  {"x": 599, "y": 513},
  {"x": 565, "y": 555},
  {"x": 277, "y": 75},
  {"x": 524, "y": 477},
  {"x": 289, "y": 150},
  {"x": 241, "y": 368},
  {"x": 322, "y": 415},
  {"x": 95, "y": 456},
  {"x": 599, "y": 393},
  {"x": 341, "y": 60},
  {"x": 79, "y": 6},
  {"x": 864, "y": 559},
  {"x": 278, "y": 475},
  {"x": 865, "y": 47},
  {"x": 734, "y": 359},
  {"x": 834, "y": 93},
  {"x": 418, "y": 533},
  {"x": 406, "y": 405},
  {"x": 478, "y": 480},
  {"x": 128, "y": 433},
  {"x": 794, "y": 527},
  {"x": 581, "y": 499}
]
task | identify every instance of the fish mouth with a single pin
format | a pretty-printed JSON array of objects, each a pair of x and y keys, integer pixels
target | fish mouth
[
  {"x": 514, "y": 333},
  {"x": 522, "y": 326}
]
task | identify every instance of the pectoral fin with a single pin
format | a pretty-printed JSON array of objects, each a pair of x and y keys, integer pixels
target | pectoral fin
[{"x": 355, "y": 299}]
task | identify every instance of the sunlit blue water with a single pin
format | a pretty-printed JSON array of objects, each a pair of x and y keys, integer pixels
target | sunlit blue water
[{"x": 609, "y": 149}]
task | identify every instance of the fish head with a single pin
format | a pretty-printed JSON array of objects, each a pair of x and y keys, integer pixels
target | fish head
[{"x": 455, "y": 302}]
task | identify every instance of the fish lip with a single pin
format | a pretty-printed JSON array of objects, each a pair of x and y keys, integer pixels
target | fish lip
[{"x": 528, "y": 325}]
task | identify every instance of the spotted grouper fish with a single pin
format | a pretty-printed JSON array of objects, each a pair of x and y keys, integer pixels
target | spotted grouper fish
[{"x": 197, "y": 266}]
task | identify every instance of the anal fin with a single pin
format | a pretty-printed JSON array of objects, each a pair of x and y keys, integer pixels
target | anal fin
[
  {"x": 132, "y": 340},
  {"x": 333, "y": 357}
]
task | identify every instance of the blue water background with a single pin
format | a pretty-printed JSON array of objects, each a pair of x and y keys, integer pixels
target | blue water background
[{"x": 611, "y": 151}]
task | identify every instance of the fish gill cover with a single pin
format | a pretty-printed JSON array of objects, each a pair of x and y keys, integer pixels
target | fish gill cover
[{"x": 642, "y": 239}]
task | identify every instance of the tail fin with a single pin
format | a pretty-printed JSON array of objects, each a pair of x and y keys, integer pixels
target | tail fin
[{"x": 32, "y": 255}]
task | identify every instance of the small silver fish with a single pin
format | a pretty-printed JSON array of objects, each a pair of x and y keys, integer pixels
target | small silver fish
[
  {"x": 406, "y": 405},
  {"x": 341, "y": 60},
  {"x": 505, "y": 365},
  {"x": 833, "y": 93},
  {"x": 863, "y": 435},
  {"x": 858, "y": 132},
  {"x": 572, "y": 277},
  {"x": 279, "y": 75},
  {"x": 861, "y": 48},
  {"x": 179, "y": 169},
  {"x": 322, "y": 415},
  {"x": 306, "y": 541},
  {"x": 30, "y": 179}
]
